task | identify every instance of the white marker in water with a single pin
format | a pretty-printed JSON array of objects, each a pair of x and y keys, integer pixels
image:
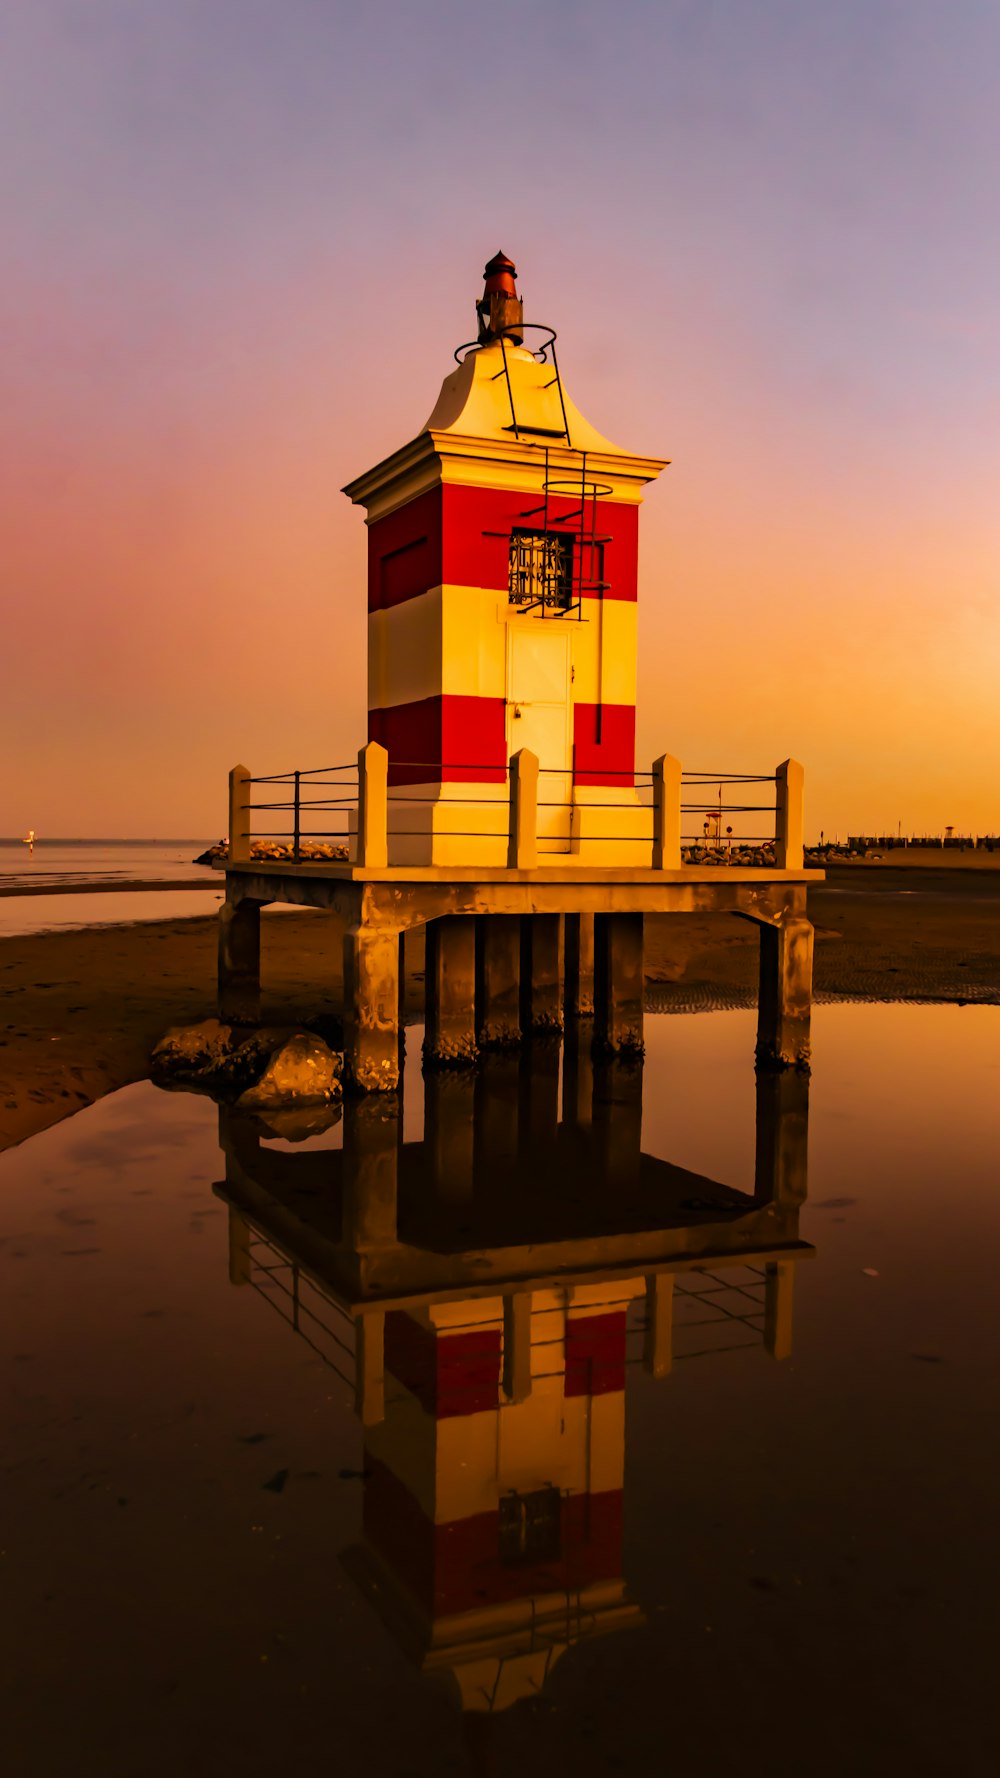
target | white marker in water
[{"x": 30, "y": 841}]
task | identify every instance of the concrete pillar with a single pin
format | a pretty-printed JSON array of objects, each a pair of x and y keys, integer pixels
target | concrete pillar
[
  {"x": 450, "y": 990},
  {"x": 666, "y": 813},
  {"x": 498, "y": 975},
  {"x": 541, "y": 973},
  {"x": 658, "y": 1346},
  {"x": 785, "y": 993},
  {"x": 373, "y": 807},
  {"x": 779, "y": 1281},
  {"x": 372, "y": 1135},
  {"x": 239, "y": 961},
  {"x": 781, "y": 1169},
  {"x": 239, "y": 815},
  {"x": 239, "y": 1247},
  {"x": 371, "y": 1008},
  {"x": 369, "y": 1367},
  {"x": 517, "y": 1345},
  {"x": 522, "y": 851},
  {"x": 578, "y": 951},
  {"x": 618, "y": 983},
  {"x": 789, "y": 831}
]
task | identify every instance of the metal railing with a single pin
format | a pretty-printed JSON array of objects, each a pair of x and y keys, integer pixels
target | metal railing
[
  {"x": 536, "y": 812},
  {"x": 294, "y": 835}
]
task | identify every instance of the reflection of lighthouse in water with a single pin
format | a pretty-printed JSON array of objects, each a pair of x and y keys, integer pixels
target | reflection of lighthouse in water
[
  {"x": 479, "y": 1283},
  {"x": 492, "y": 1525}
]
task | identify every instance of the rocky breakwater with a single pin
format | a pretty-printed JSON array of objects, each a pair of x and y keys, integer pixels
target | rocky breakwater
[
  {"x": 749, "y": 857},
  {"x": 309, "y": 852},
  {"x": 288, "y": 1077}
]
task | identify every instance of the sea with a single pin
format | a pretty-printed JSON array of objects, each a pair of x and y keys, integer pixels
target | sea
[
  {"x": 93, "y": 868},
  {"x": 559, "y": 1418}
]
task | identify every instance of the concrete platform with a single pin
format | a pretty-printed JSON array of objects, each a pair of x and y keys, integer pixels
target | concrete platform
[{"x": 581, "y": 941}]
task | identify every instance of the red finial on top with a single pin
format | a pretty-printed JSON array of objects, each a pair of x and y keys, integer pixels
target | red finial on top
[
  {"x": 501, "y": 312},
  {"x": 500, "y": 273}
]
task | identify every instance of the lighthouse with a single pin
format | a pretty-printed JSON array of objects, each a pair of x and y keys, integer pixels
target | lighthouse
[{"x": 502, "y": 608}]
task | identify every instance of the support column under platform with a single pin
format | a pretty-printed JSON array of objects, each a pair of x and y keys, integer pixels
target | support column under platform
[
  {"x": 618, "y": 983},
  {"x": 784, "y": 1000},
  {"x": 541, "y": 973},
  {"x": 498, "y": 977},
  {"x": 450, "y": 989},
  {"x": 371, "y": 1009},
  {"x": 239, "y": 961},
  {"x": 578, "y": 949}
]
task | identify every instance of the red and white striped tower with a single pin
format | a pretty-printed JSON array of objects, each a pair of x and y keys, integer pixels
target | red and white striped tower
[
  {"x": 502, "y": 581},
  {"x": 493, "y": 1527}
]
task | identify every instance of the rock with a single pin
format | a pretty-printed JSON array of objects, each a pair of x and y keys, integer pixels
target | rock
[
  {"x": 221, "y": 1060},
  {"x": 192, "y": 1049},
  {"x": 278, "y": 850},
  {"x": 297, "y": 1123},
  {"x": 303, "y": 1070}
]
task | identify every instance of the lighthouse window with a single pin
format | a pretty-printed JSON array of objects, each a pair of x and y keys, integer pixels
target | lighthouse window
[
  {"x": 541, "y": 569},
  {"x": 530, "y": 1527}
]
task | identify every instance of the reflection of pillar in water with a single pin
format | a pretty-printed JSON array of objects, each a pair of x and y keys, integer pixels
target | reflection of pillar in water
[
  {"x": 782, "y": 1155},
  {"x": 538, "y": 1097},
  {"x": 240, "y": 1264},
  {"x": 617, "y": 1119},
  {"x": 578, "y": 1074},
  {"x": 780, "y": 1180},
  {"x": 493, "y": 1520},
  {"x": 497, "y": 1109},
  {"x": 449, "y": 1133},
  {"x": 372, "y": 1133},
  {"x": 658, "y": 1349}
]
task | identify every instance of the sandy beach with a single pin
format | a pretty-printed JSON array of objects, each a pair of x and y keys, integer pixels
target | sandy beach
[{"x": 81, "y": 1010}]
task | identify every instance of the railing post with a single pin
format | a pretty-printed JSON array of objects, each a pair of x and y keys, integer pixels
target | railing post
[
  {"x": 522, "y": 852},
  {"x": 373, "y": 806},
  {"x": 295, "y": 834},
  {"x": 666, "y": 813},
  {"x": 789, "y": 829},
  {"x": 239, "y": 815}
]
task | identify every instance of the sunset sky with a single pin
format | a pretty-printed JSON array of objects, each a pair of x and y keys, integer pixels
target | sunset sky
[{"x": 243, "y": 237}]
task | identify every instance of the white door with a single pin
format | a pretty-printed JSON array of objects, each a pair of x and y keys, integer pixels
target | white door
[{"x": 538, "y": 717}]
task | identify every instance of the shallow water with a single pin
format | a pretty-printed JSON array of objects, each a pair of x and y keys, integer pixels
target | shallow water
[
  {"x": 22, "y": 915},
  {"x": 755, "y": 1563},
  {"x": 56, "y": 862}
]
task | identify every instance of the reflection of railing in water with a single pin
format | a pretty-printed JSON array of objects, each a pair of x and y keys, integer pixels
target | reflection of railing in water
[
  {"x": 296, "y": 1309},
  {"x": 265, "y": 1278},
  {"x": 491, "y": 1549}
]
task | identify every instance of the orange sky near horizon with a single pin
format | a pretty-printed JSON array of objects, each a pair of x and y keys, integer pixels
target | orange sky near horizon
[{"x": 231, "y": 292}]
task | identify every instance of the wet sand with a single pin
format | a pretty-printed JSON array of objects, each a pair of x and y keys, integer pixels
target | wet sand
[
  {"x": 80, "y": 1011},
  {"x": 109, "y": 884}
]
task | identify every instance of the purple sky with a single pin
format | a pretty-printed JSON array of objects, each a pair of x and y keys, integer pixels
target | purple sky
[{"x": 242, "y": 240}]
